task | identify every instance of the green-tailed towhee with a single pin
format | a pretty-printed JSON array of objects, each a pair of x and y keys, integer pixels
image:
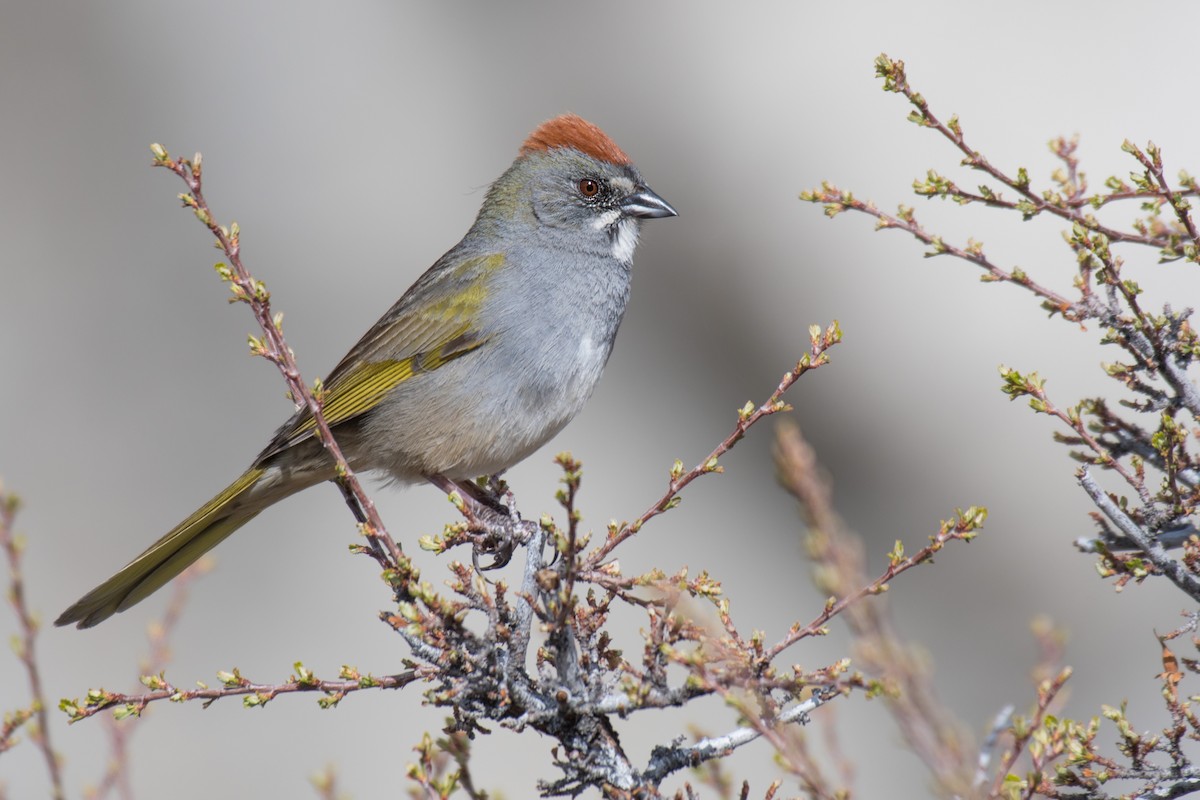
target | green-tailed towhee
[{"x": 484, "y": 359}]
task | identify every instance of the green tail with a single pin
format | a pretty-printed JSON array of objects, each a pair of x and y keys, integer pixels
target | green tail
[{"x": 175, "y": 552}]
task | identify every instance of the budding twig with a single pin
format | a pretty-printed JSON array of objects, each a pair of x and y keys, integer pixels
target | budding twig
[
  {"x": 275, "y": 349},
  {"x": 820, "y": 342},
  {"x": 25, "y": 647}
]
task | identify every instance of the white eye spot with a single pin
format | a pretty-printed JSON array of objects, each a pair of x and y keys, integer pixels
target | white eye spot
[
  {"x": 606, "y": 219},
  {"x": 622, "y": 184},
  {"x": 625, "y": 241}
]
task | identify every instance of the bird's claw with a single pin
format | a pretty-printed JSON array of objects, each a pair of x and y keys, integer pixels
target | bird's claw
[{"x": 501, "y": 536}]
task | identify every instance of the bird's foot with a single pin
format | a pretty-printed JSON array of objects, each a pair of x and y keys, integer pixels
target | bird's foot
[
  {"x": 498, "y": 537},
  {"x": 492, "y": 517}
]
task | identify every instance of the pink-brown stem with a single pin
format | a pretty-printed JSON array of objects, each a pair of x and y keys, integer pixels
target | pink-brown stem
[
  {"x": 28, "y": 640},
  {"x": 277, "y": 351}
]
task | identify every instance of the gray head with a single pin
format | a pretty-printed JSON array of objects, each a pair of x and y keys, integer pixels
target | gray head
[{"x": 572, "y": 183}]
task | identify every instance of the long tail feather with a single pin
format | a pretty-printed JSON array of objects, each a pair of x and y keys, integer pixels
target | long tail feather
[{"x": 173, "y": 553}]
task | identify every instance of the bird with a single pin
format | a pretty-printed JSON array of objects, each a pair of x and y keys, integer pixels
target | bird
[{"x": 485, "y": 358}]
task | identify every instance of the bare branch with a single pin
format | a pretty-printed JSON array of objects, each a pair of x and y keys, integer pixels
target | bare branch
[
  {"x": 667, "y": 760},
  {"x": 747, "y": 416},
  {"x": 25, "y": 647},
  {"x": 274, "y": 348},
  {"x": 1149, "y": 545},
  {"x": 116, "y": 774},
  {"x": 234, "y": 685},
  {"x": 929, "y": 729}
]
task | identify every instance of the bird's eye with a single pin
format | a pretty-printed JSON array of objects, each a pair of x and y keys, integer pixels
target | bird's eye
[{"x": 589, "y": 187}]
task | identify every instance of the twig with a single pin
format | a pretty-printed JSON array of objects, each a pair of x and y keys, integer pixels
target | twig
[
  {"x": 25, "y": 646},
  {"x": 1152, "y": 161},
  {"x": 929, "y": 729},
  {"x": 275, "y": 349},
  {"x": 1161, "y": 347},
  {"x": 748, "y": 415},
  {"x": 666, "y": 760},
  {"x": 13, "y": 721},
  {"x": 1155, "y": 552},
  {"x": 837, "y": 200},
  {"x": 999, "y": 725},
  {"x": 255, "y": 694},
  {"x": 797, "y": 469},
  {"x": 116, "y": 775},
  {"x": 1048, "y": 690},
  {"x": 1017, "y": 385},
  {"x": 896, "y": 80}
]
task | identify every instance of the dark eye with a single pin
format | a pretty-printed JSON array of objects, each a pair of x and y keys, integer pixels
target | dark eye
[{"x": 589, "y": 187}]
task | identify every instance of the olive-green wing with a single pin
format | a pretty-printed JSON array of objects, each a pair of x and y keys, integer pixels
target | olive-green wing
[{"x": 434, "y": 323}]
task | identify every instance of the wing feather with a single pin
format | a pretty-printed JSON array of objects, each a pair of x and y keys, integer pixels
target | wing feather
[{"x": 434, "y": 323}]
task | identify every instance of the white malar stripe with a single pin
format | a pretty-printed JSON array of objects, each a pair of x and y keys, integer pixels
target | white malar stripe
[
  {"x": 625, "y": 241},
  {"x": 606, "y": 219}
]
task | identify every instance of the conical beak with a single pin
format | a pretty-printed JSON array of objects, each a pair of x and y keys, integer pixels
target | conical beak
[{"x": 646, "y": 204}]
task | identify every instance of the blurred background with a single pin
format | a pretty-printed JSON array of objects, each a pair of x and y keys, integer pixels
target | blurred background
[{"x": 353, "y": 143}]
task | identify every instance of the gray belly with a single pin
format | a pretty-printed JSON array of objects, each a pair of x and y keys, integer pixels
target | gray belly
[{"x": 484, "y": 412}]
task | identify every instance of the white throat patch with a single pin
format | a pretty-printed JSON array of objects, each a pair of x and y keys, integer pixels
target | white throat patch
[{"x": 625, "y": 239}]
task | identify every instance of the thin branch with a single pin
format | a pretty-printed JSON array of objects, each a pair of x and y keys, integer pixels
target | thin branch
[
  {"x": 999, "y": 725},
  {"x": 254, "y": 694},
  {"x": 837, "y": 200},
  {"x": 797, "y": 468},
  {"x": 275, "y": 349},
  {"x": 666, "y": 760},
  {"x": 1048, "y": 690},
  {"x": 896, "y": 80},
  {"x": 817, "y": 357},
  {"x": 928, "y": 728},
  {"x": 1017, "y": 385},
  {"x": 1154, "y": 550},
  {"x": 116, "y": 775},
  {"x": 1169, "y": 787},
  {"x": 1152, "y": 161},
  {"x": 25, "y": 645}
]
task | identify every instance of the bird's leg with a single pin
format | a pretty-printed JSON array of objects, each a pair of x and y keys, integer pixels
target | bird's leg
[
  {"x": 484, "y": 495},
  {"x": 501, "y": 493}
]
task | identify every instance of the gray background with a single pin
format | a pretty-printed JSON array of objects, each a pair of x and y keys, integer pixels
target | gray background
[{"x": 353, "y": 142}]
